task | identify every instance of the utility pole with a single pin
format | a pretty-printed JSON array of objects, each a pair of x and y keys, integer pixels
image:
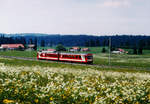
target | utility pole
[{"x": 109, "y": 58}]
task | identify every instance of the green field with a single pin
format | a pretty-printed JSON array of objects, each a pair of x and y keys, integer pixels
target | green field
[
  {"x": 19, "y": 53},
  {"x": 124, "y": 60},
  {"x": 41, "y": 82}
]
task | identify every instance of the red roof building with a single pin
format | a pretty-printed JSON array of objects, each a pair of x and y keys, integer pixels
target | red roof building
[
  {"x": 85, "y": 49},
  {"x": 74, "y": 49},
  {"x": 12, "y": 46},
  {"x": 121, "y": 50},
  {"x": 31, "y": 46},
  {"x": 51, "y": 50}
]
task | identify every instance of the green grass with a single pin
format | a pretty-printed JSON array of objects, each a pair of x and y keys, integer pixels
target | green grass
[
  {"x": 125, "y": 60},
  {"x": 19, "y": 53},
  {"x": 18, "y": 62}
]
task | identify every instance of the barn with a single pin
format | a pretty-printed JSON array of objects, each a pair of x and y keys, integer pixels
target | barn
[
  {"x": 12, "y": 46},
  {"x": 74, "y": 49},
  {"x": 51, "y": 50}
]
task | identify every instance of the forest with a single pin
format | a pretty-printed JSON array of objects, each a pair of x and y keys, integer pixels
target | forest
[{"x": 52, "y": 40}]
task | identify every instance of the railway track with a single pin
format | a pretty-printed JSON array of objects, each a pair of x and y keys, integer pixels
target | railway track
[{"x": 94, "y": 65}]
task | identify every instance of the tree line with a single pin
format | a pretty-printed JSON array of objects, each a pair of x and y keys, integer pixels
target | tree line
[{"x": 118, "y": 41}]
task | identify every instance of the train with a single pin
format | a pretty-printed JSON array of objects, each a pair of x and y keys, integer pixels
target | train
[{"x": 86, "y": 58}]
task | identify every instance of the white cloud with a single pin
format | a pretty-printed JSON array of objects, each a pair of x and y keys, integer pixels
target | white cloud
[{"x": 116, "y": 3}]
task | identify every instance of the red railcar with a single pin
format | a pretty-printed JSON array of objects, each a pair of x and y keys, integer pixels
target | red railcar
[{"x": 68, "y": 57}]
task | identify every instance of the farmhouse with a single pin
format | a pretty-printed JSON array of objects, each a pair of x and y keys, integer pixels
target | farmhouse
[
  {"x": 85, "y": 49},
  {"x": 30, "y": 47},
  {"x": 12, "y": 46},
  {"x": 1, "y": 48},
  {"x": 75, "y": 49},
  {"x": 116, "y": 52},
  {"x": 51, "y": 50},
  {"x": 119, "y": 51}
]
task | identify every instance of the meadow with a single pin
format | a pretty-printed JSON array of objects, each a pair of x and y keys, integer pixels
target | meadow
[
  {"x": 123, "y": 60},
  {"x": 28, "y": 82}
]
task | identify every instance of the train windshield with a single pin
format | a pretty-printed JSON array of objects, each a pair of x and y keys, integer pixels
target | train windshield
[{"x": 89, "y": 57}]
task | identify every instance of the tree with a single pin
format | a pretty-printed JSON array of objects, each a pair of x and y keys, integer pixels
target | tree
[
  {"x": 127, "y": 44},
  {"x": 23, "y": 41},
  {"x": 30, "y": 41},
  {"x": 92, "y": 43},
  {"x": 20, "y": 48},
  {"x": 60, "y": 47},
  {"x": 42, "y": 43},
  {"x": 103, "y": 50},
  {"x": 141, "y": 45},
  {"x": 134, "y": 50},
  {"x": 104, "y": 42},
  {"x": 112, "y": 48},
  {"x": 140, "y": 51},
  {"x": 35, "y": 44},
  {"x": 87, "y": 44},
  {"x": 97, "y": 42}
]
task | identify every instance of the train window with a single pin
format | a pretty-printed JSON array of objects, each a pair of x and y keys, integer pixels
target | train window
[
  {"x": 73, "y": 56},
  {"x": 89, "y": 57},
  {"x": 69, "y": 56},
  {"x": 79, "y": 57},
  {"x": 66, "y": 56},
  {"x": 76, "y": 57}
]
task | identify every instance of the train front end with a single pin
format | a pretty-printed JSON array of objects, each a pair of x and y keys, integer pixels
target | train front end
[{"x": 89, "y": 58}]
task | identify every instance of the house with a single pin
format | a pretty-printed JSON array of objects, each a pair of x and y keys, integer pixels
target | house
[
  {"x": 1, "y": 48},
  {"x": 85, "y": 49},
  {"x": 116, "y": 52},
  {"x": 51, "y": 50},
  {"x": 30, "y": 47},
  {"x": 75, "y": 49},
  {"x": 119, "y": 51},
  {"x": 12, "y": 46}
]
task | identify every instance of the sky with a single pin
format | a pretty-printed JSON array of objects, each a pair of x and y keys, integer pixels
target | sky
[{"x": 92, "y": 17}]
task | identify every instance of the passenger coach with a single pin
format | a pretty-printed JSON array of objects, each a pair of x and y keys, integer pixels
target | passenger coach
[{"x": 67, "y": 57}]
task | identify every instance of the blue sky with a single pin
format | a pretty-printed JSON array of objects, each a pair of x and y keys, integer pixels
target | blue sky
[{"x": 97, "y": 17}]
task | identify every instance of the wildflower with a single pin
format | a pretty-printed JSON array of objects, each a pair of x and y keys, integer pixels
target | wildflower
[
  {"x": 7, "y": 101},
  {"x": 148, "y": 96},
  {"x": 51, "y": 98},
  {"x": 137, "y": 102},
  {"x": 64, "y": 97},
  {"x": 36, "y": 100},
  {"x": 86, "y": 99}
]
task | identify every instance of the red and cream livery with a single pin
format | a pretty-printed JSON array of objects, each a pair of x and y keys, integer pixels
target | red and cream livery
[{"x": 68, "y": 57}]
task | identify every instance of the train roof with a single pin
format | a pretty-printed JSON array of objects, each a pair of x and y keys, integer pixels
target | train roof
[
  {"x": 65, "y": 53},
  {"x": 75, "y": 53}
]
